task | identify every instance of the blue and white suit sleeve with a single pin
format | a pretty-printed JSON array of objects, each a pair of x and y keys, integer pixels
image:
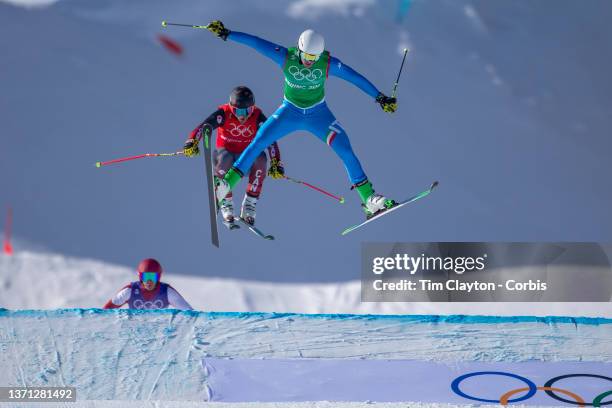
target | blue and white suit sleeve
[
  {"x": 275, "y": 52},
  {"x": 338, "y": 69}
]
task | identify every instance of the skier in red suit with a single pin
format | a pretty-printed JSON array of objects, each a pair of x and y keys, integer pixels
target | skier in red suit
[
  {"x": 237, "y": 123},
  {"x": 149, "y": 292}
]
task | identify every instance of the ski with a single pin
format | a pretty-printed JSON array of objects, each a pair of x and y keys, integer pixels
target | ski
[
  {"x": 255, "y": 230},
  {"x": 231, "y": 225},
  {"x": 212, "y": 199},
  {"x": 395, "y": 207}
]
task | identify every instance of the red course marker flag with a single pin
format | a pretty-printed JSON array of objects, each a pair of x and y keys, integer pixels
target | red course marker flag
[
  {"x": 170, "y": 44},
  {"x": 8, "y": 248}
]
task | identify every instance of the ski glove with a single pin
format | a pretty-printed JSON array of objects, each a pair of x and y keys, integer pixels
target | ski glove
[
  {"x": 388, "y": 104},
  {"x": 191, "y": 148},
  {"x": 276, "y": 170},
  {"x": 217, "y": 28}
]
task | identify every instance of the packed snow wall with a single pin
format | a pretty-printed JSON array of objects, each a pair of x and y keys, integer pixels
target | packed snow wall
[{"x": 200, "y": 356}]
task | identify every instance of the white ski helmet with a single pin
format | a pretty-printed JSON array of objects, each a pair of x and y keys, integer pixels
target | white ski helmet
[{"x": 311, "y": 42}]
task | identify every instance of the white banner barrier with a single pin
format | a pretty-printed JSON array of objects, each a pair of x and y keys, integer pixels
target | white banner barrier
[{"x": 295, "y": 380}]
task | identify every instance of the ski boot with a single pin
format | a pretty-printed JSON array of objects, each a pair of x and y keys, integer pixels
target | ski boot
[
  {"x": 222, "y": 189},
  {"x": 376, "y": 203},
  {"x": 227, "y": 212},
  {"x": 373, "y": 203},
  {"x": 248, "y": 210}
]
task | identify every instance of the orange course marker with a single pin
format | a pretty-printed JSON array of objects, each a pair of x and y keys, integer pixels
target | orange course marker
[{"x": 8, "y": 248}]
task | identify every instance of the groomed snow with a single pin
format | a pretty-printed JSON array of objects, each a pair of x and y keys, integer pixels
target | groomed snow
[
  {"x": 38, "y": 280},
  {"x": 158, "y": 355},
  {"x": 183, "y": 404}
]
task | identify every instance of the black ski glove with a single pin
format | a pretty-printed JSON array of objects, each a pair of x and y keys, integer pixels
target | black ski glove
[
  {"x": 191, "y": 148},
  {"x": 388, "y": 104},
  {"x": 217, "y": 28}
]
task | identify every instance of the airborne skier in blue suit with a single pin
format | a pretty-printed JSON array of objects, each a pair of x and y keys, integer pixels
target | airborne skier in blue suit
[{"x": 306, "y": 69}]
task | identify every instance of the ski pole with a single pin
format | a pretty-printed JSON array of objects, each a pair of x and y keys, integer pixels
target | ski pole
[
  {"x": 140, "y": 156},
  {"x": 166, "y": 24},
  {"x": 320, "y": 190},
  {"x": 399, "y": 73}
]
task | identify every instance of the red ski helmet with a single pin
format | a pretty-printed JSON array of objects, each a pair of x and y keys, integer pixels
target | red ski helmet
[{"x": 149, "y": 265}]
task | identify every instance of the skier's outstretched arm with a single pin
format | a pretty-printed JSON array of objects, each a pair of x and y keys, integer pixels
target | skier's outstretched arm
[
  {"x": 276, "y": 169},
  {"x": 275, "y": 52},
  {"x": 273, "y": 150},
  {"x": 338, "y": 69},
  {"x": 176, "y": 300},
  {"x": 213, "y": 121},
  {"x": 120, "y": 298}
]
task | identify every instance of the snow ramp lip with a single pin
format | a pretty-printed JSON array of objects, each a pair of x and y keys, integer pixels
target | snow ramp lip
[{"x": 407, "y": 318}]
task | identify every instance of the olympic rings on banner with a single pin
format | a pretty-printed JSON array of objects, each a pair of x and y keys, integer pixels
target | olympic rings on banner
[
  {"x": 550, "y": 382},
  {"x": 504, "y": 398},
  {"x": 532, "y": 389},
  {"x": 600, "y": 397}
]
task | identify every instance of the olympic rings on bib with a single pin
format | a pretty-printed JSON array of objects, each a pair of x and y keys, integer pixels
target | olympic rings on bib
[
  {"x": 140, "y": 304},
  {"x": 305, "y": 73},
  {"x": 241, "y": 130}
]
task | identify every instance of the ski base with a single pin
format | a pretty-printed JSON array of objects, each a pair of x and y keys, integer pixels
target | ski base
[
  {"x": 395, "y": 207},
  {"x": 255, "y": 230}
]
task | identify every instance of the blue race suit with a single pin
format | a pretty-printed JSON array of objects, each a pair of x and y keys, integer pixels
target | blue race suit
[{"x": 318, "y": 119}]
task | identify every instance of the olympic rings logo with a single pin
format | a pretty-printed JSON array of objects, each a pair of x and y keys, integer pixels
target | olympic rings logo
[
  {"x": 305, "y": 73},
  {"x": 532, "y": 389},
  {"x": 139, "y": 304},
  {"x": 240, "y": 130}
]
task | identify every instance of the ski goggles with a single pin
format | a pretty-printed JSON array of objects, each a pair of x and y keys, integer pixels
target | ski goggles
[
  {"x": 243, "y": 111},
  {"x": 310, "y": 57},
  {"x": 149, "y": 276}
]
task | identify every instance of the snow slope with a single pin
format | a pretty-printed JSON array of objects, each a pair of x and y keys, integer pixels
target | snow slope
[
  {"x": 42, "y": 280},
  {"x": 506, "y": 103},
  {"x": 131, "y": 358}
]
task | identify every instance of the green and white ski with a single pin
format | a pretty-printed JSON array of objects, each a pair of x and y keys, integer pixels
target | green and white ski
[
  {"x": 210, "y": 181},
  {"x": 395, "y": 207}
]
